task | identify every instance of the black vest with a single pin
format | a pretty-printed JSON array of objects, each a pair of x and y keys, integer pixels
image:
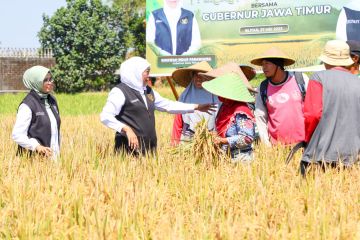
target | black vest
[
  {"x": 141, "y": 119},
  {"x": 40, "y": 126}
]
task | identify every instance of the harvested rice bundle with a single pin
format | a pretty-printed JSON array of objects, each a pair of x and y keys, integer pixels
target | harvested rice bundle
[{"x": 202, "y": 148}]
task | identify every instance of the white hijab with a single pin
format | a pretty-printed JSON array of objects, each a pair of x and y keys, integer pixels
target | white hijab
[{"x": 131, "y": 72}]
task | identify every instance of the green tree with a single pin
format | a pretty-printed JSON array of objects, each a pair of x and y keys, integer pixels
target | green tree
[
  {"x": 87, "y": 40},
  {"x": 135, "y": 5},
  {"x": 134, "y": 24},
  {"x": 137, "y": 31}
]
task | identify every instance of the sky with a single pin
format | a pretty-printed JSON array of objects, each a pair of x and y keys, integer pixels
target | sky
[{"x": 21, "y": 20}]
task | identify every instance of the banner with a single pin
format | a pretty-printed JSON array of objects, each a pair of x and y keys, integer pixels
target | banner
[{"x": 180, "y": 33}]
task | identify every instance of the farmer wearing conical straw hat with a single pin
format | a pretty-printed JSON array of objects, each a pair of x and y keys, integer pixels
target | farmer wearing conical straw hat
[
  {"x": 246, "y": 73},
  {"x": 184, "y": 124},
  {"x": 235, "y": 122},
  {"x": 279, "y": 103}
]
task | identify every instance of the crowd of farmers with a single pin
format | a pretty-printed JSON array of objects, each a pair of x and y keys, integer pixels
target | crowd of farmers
[{"x": 318, "y": 112}]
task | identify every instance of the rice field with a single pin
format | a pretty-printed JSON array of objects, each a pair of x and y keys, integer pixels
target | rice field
[
  {"x": 305, "y": 49},
  {"x": 91, "y": 193}
]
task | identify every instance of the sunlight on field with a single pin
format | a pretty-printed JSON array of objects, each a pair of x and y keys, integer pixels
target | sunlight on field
[
  {"x": 93, "y": 194},
  {"x": 305, "y": 49}
]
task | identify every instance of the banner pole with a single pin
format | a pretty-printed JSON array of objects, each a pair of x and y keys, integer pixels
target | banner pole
[{"x": 172, "y": 88}]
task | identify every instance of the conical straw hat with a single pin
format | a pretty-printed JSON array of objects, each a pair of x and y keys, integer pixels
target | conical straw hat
[
  {"x": 249, "y": 72},
  {"x": 228, "y": 68},
  {"x": 183, "y": 76},
  {"x": 273, "y": 53},
  {"x": 229, "y": 86}
]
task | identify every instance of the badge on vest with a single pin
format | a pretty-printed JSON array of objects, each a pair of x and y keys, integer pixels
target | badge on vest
[
  {"x": 150, "y": 97},
  {"x": 184, "y": 20},
  {"x": 39, "y": 114},
  {"x": 135, "y": 100}
]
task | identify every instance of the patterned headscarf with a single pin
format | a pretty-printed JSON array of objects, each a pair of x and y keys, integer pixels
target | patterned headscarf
[{"x": 34, "y": 79}]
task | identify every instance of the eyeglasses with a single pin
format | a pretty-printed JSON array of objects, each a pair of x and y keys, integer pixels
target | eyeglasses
[{"x": 48, "y": 80}]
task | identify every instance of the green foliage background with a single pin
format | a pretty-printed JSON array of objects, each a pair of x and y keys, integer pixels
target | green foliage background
[
  {"x": 77, "y": 104},
  {"x": 89, "y": 41}
]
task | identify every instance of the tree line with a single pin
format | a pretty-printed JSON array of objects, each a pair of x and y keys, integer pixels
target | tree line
[{"x": 90, "y": 39}]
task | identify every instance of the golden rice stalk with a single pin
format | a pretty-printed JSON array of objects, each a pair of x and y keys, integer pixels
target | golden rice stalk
[{"x": 202, "y": 148}]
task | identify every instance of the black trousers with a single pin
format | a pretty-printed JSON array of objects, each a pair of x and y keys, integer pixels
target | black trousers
[{"x": 146, "y": 145}]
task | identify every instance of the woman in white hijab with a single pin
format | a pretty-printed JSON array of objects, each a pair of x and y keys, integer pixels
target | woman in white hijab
[
  {"x": 37, "y": 126},
  {"x": 130, "y": 107}
]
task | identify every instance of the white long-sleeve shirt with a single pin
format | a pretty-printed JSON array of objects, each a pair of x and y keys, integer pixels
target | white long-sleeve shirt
[
  {"x": 21, "y": 127},
  {"x": 173, "y": 20},
  {"x": 116, "y": 101}
]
